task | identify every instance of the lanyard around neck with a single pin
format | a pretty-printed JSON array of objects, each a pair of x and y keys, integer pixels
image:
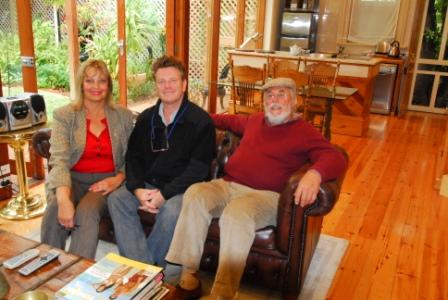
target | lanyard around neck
[{"x": 176, "y": 118}]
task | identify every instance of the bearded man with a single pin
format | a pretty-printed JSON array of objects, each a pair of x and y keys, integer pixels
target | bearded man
[{"x": 273, "y": 145}]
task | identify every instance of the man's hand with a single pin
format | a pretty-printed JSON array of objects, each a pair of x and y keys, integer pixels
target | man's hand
[
  {"x": 307, "y": 188},
  {"x": 150, "y": 199},
  {"x": 107, "y": 185}
]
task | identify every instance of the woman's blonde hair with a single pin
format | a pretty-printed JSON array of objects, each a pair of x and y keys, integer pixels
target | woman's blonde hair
[{"x": 98, "y": 65}]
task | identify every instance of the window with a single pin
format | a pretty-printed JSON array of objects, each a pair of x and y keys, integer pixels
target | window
[{"x": 373, "y": 20}]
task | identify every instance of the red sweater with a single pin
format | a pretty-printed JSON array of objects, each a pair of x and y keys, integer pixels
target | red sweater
[{"x": 268, "y": 155}]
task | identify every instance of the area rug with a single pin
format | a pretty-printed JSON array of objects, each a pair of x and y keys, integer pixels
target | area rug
[{"x": 324, "y": 264}]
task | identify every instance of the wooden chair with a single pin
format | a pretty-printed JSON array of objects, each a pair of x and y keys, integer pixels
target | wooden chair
[
  {"x": 321, "y": 75},
  {"x": 291, "y": 69},
  {"x": 246, "y": 98}
]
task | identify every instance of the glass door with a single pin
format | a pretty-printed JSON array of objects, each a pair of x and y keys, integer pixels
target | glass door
[
  {"x": 145, "y": 42},
  {"x": 200, "y": 43},
  {"x": 430, "y": 81},
  {"x": 10, "y": 64}
]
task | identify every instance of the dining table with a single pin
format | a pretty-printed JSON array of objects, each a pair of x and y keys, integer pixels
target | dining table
[{"x": 329, "y": 95}]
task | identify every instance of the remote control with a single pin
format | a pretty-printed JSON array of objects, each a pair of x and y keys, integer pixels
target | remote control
[
  {"x": 21, "y": 258},
  {"x": 39, "y": 262}
]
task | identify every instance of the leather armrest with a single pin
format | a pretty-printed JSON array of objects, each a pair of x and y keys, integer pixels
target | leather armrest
[
  {"x": 288, "y": 212},
  {"x": 41, "y": 142},
  {"x": 226, "y": 143}
]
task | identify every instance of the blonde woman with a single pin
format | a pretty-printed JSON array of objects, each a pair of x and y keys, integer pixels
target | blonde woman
[{"x": 88, "y": 144}]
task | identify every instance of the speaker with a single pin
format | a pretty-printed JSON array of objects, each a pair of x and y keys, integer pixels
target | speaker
[
  {"x": 38, "y": 110},
  {"x": 19, "y": 111},
  {"x": 4, "y": 124}
]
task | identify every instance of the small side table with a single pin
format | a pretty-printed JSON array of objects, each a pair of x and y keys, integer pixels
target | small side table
[{"x": 22, "y": 206}]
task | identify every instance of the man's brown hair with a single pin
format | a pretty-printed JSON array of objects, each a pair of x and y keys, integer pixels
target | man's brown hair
[{"x": 166, "y": 62}]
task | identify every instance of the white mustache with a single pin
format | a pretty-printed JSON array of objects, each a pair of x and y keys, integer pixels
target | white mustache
[{"x": 276, "y": 106}]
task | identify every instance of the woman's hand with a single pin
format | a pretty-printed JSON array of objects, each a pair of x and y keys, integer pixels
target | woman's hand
[
  {"x": 66, "y": 209},
  {"x": 107, "y": 185}
]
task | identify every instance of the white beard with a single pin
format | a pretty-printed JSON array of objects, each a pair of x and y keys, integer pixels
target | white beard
[{"x": 277, "y": 119}]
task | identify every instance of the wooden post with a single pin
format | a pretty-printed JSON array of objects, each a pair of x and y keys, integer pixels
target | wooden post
[
  {"x": 213, "y": 55},
  {"x": 177, "y": 29},
  {"x": 261, "y": 11},
  {"x": 26, "y": 40},
  {"x": 240, "y": 18},
  {"x": 170, "y": 26},
  {"x": 29, "y": 76},
  {"x": 73, "y": 43},
  {"x": 121, "y": 18}
]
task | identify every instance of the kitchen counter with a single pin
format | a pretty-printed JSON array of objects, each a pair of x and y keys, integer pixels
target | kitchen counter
[{"x": 351, "y": 116}]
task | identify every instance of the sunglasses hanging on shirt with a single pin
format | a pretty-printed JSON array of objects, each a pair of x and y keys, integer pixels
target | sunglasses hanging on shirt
[{"x": 160, "y": 135}]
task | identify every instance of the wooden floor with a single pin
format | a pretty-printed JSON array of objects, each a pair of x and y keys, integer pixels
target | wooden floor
[{"x": 395, "y": 221}]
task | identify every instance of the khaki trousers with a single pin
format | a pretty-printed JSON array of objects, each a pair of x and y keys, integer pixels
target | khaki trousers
[{"x": 242, "y": 211}]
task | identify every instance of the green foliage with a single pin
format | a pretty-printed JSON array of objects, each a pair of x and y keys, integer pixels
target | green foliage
[
  {"x": 141, "y": 90},
  {"x": 51, "y": 58},
  {"x": 98, "y": 37},
  {"x": 104, "y": 46},
  {"x": 10, "y": 58},
  {"x": 434, "y": 28},
  {"x": 58, "y": 3},
  {"x": 141, "y": 22}
]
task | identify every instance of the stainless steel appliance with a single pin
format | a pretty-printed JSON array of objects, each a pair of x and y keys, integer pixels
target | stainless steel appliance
[
  {"x": 18, "y": 112},
  {"x": 383, "y": 89},
  {"x": 286, "y": 42},
  {"x": 296, "y": 23},
  {"x": 298, "y": 27},
  {"x": 383, "y": 47}
]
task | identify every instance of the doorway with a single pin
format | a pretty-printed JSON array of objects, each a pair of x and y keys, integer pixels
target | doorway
[{"x": 430, "y": 80}]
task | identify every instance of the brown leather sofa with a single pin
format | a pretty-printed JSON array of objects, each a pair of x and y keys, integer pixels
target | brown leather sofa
[{"x": 280, "y": 255}]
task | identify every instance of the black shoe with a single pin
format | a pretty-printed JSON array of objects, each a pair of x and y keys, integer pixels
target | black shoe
[{"x": 183, "y": 294}]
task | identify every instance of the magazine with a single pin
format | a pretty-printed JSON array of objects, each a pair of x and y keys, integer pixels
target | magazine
[
  {"x": 113, "y": 277},
  {"x": 162, "y": 292}
]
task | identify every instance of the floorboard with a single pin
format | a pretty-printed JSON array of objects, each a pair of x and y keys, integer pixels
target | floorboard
[{"x": 395, "y": 220}]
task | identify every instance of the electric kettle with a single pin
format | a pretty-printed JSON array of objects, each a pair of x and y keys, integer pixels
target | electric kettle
[{"x": 394, "y": 50}]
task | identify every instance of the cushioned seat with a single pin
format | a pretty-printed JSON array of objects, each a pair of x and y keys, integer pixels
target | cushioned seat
[{"x": 280, "y": 255}]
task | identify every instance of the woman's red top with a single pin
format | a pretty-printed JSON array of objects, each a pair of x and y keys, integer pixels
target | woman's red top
[{"x": 97, "y": 156}]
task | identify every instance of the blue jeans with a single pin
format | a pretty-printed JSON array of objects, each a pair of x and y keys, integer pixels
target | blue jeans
[{"x": 131, "y": 240}]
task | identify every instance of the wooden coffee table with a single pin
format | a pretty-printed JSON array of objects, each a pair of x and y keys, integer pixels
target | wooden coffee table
[
  {"x": 51, "y": 277},
  {"x": 11, "y": 245}
]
